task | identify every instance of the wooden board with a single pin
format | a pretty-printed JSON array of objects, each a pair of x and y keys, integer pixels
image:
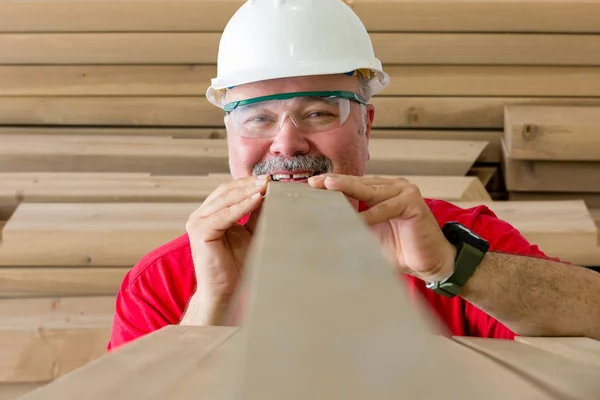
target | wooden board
[
  {"x": 167, "y": 156},
  {"x": 43, "y": 339},
  {"x": 122, "y": 187},
  {"x": 13, "y": 391},
  {"x": 391, "y": 48},
  {"x": 92, "y": 234},
  {"x": 135, "y": 111},
  {"x": 550, "y": 176},
  {"x": 192, "y": 80},
  {"x": 584, "y": 350},
  {"x": 592, "y": 200},
  {"x": 60, "y": 282},
  {"x": 149, "y": 368},
  {"x": 377, "y": 15},
  {"x": 562, "y": 229},
  {"x": 549, "y": 133},
  {"x": 558, "y": 375}
]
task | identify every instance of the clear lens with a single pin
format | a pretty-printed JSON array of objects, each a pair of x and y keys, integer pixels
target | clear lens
[{"x": 265, "y": 119}]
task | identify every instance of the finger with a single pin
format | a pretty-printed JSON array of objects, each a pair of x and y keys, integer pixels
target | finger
[
  {"x": 406, "y": 205},
  {"x": 214, "y": 226},
  {"x": 319, "y": 180},
  {"x": 357, "y": 189},
  {"x": 225, "y": 187},
  {"x": 231, "y": 195}
]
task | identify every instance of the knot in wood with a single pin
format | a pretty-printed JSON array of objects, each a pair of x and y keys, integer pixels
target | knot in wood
[{"x": 529, "y": 131}]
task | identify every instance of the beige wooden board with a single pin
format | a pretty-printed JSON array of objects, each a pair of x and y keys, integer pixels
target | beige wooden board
[
  {"x": 592, "y": 200},
  {"x": 100, "y": 80},
  {"x": 485, "y": 174},
  {"x": 391, "y": 48},
  {"x": 423, "y": 157},
  {"x": 391, "y": 112},
  {"x": 550, "y": 176},
  {"x": 159, "y": 155},
  {"x": 377, "y": 15},
  {"x": 192, "y": 80},
  {"x": 583, "y": 350},
  {"x": 323, "y": 357},
  {"x": 561, "y": 229},
  {"x": 184, "y": 132},
  {"x": 91, "y": 234},
  {"x": 491, "y": 153},
  {"x": 559, "y": 375},
  {"x": 495, "y": 80},
  {"x": 148, "y": 368},
  {"x": 13, "y": 391},
  {"x": 43, "y": 339},
  {"x": 163, "y": 155},
  {"x": 553, "y": 133},
  {"x": 118, "y": 187},
  {"x": 44, "y": 282},
  {"x": 456, "y": 112}
]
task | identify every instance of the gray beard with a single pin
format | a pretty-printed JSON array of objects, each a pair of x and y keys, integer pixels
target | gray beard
[{"x": 316, "y": 164}]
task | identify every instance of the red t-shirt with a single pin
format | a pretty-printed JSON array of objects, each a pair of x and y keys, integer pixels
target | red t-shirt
[{"x": 155, "y": 292}]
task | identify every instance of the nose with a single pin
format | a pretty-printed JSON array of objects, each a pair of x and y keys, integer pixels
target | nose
[{"x": 289, "y": 141}]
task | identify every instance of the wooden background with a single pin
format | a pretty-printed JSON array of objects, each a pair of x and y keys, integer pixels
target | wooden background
[{"x": 107, "y": 143}]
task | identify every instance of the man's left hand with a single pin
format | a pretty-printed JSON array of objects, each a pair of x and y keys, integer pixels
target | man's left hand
[{"x": 399, "y": 217}]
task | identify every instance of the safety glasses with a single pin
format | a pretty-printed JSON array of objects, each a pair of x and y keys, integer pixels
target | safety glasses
[{"x": 310, "y": 112}]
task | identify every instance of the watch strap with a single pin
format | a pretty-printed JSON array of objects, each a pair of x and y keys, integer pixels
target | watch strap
[{"x": 466, "y": 262}]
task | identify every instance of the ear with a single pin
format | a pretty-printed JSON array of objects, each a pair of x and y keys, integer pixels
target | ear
[{"x": 370, "y": 119}]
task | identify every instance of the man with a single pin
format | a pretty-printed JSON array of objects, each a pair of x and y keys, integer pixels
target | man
[{"x": 294, "y": 79}]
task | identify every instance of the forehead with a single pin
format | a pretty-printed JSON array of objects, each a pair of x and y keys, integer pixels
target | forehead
[{"x": 295, "y": 84}]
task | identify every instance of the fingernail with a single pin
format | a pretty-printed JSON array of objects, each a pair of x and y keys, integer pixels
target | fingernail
[
  {"x": 331, "y": 179},
  {"x": 255, "y": 195}
]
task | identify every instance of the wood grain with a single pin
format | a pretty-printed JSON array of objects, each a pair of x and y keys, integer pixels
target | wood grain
[
  {"x": 592, "y": 200},
  {"x": 561, "y": 376},
  {"x": 548, "y": 133},
  {"x": 60, "y": 282},
  {"x": 391, "y": 48},
  {"x": 377, "y": 15},
  {"x": 583, "y": 350}
]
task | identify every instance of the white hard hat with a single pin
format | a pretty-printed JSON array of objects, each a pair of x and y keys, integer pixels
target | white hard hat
[{"x": 269, "y": 39}]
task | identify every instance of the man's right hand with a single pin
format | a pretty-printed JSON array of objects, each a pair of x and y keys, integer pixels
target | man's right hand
[{"x": 219, "y": 245}]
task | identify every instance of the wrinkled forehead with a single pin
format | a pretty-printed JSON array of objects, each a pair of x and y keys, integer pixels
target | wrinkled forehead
[{"x": 338, "y": 82}]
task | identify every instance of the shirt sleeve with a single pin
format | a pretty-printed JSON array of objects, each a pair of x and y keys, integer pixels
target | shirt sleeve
[{"x": 504, "y": 238}]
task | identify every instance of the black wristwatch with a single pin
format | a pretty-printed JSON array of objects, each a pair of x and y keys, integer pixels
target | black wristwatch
[{"x": 470, "y": 250}]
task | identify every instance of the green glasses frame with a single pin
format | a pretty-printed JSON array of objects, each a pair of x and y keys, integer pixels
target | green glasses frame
[{"x": 283, "y": 96}]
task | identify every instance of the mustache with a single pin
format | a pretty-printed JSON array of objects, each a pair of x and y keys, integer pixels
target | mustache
[{"x": 305, "y": 162}]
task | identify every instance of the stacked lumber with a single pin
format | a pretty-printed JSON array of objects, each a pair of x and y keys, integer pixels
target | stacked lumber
[
  {"x": 552, "y": 152},
  {"x": 378, "y": 358},
  {"x": 105, "y": 131}
]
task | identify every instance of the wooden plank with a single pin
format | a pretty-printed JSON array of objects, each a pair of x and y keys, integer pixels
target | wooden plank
[
  {"x": 391, "y": 112},
  {"x": 564, "y": 133},
  {"x": 456, "y": 112},
  {"x": 167, "y": 156},
  {"x": 377, "y": 15},
  {"x": 192, "y": 80},
  {"x": 583, "y": 350},
  {"x": 484, "y": 174},
  {"x": 92, "y": 234},
  {"x": 305, "y": 338},
  {"x": 41, "y": 340},
  {"x": 105, "y": 80},
  {"x": 157, "y": 155},
  {"x": 562, "y": 229},
  {"x": 563, "y": 377},
  {"x": 550, "y": 176},
  {"x": 149, "y": 368},
  {"x": 183, "y": 133},
  {"x": 423, "y": 157},
  {"x": 391, "y": 48},
  {"x": 592, "y": 200},
  {"x": 118, "y": 187},
  {"x": 492, "y": 80},
  {"x": 13, "y": 391},
  {"x": 60, "y": 282}
]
